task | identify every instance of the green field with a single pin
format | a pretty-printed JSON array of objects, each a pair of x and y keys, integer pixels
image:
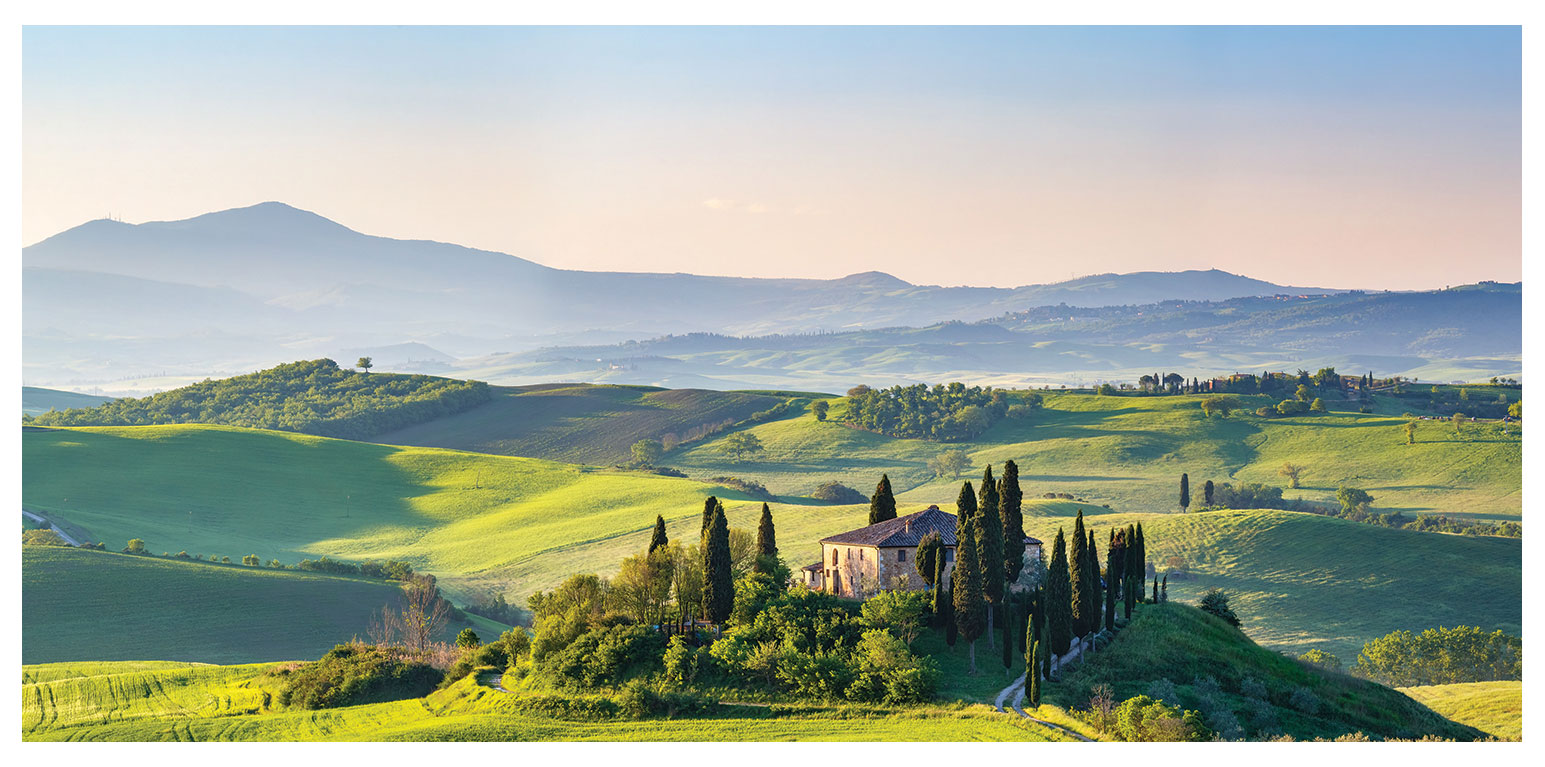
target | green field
[
  {"x": 1495, "y": 708},
  {"x": 102, "y": 606},
  {"x": 116, "y": 702},
  {"x": 580, "y": 423},
  {"x": 1129, "y": 452},
  {"x": 1181, "y": 643}
]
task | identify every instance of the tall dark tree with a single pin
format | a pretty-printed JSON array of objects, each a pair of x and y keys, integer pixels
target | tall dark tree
[
  {"x": 989, "y": 547},
  {"x": 1141, "y": 572},
  {"x": 1008, "y": 637},
  {"x": 709, "y": 505},
  {"x": 1112, "y": 585},
  {"x": 1059, "y": 619},
  {"x": 766, "y": 541},
  {"x": 1010, "y": 506},
  {"x": 1033, "y": 665},
  {"x": 1185, "y": 491},
  {"x": 1129, "y": 588},
  {"x": 718, "y": 581},
  {"x": 947, "y": 615},
  {"x": 1092, "y": 573},
  {"x": 1207, "y": 493},
  {"x": 941, "y": 599},
  {"x": 970, "y": 606},
  {"x": 965, "y": 506},
  {"x": 882, "y": 505},
  {"x": 658, "y": 539},
  {"x": 930, "y": 554},
  {"x": 1078, "y": 582}
]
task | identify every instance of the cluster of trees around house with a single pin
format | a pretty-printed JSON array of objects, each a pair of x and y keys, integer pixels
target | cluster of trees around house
[
  {"x": 1434, "y": 656},
  {"x": 1353, "y": 504},
  {"x": 944, "y": 413},
  {"x": 310, "y": 397}
]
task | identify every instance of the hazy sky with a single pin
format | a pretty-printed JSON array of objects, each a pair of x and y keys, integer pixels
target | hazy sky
[{"x": 1341, "y": 157}]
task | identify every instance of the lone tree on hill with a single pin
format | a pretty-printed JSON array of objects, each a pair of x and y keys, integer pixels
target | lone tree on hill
[
  {"x": 1010, "y": 505},
  {"x": 989, "y": 547},
  {"x": 1185, "y": 491},
  {"x": 718, "y": 583},
  {"x": 647, "y": 451},
  {"x": 1078, "y": 583},
  {"x": 658, "y": 539},
  {"x": 1292, "y": 472},
  {"x": 969, "y": 605},
  {"x": 928, "y": 558},
  {"x": 766, "y": 542},
  {"x": 949, "y": 463},
  {"x": 365, "y": 364},
  {"x": 965, "y": 506},
  {"x": 1059, "y": 628},
  {"x": 741, "y": 444},
  {"x": 882, "y": 505},
  {"x": 820, "y": 407},
  {"x": 1411, "y": 432},
  {"x": 1207, "y": 493}
]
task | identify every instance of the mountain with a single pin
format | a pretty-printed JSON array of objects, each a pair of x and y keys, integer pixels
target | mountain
[{"x": 271, "y": 276}]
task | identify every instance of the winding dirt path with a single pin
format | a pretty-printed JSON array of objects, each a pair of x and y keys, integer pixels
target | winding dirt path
[{"x": 52, "y": 526}]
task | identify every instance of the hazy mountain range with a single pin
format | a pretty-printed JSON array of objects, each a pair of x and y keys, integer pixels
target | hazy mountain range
[{"x": 242, "y": 289}]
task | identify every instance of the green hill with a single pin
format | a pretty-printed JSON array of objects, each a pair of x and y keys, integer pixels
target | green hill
[
  {"x": 101, "y": 606},
  {"x": 137, "y": 702},
  {"x": 581, "y": 423},
  {"x": 36, "y": 401},
  {"x": 1495, "y": 708},
  {"x": 1129, "y": 452},
  {"x": 1181, "y": 644}
]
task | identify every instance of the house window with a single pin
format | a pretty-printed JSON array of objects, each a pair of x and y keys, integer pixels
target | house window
[
  {"x": 860, "y": 555},
  {"x": 901, "y": 555},
  {"x": 834, "y": 557},
  {"x": 949, "y": 556}
]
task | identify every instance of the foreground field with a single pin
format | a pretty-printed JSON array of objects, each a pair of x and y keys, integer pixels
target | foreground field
[
  {"x": 1495, "y": 708},
  {"x": 1129, "y": 452},
  {"x": 202, "y": 703},
  {"x": 79, "y": 605}
]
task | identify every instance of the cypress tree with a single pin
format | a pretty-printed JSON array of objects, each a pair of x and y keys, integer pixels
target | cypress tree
[
  {"x": 882, "y": 505},
  {"x": 989, "y": 547},
  {"x": 1022, "y": 634},
  {"x": 949, "y": 612},
  {"x": 1141, "y": 572},
  {"x": 1155, "y": 590},
  {"x": 1164, "y": 590},
  {"x": 965, "y": 507},
  {"x": 1033, "y": 672},
  {"x": 1059, "y": 629},
  {"x": 1092, "y": 572},
  {"x": 1112, "y": 571},
  {"x": 928, "y": 556},
  {"x": 709, "y": 505},
  {"x": 1185, "y": 491},
  {"x": 969, "y": 604},
  {"x": 658, "y": 539},
  {"x": 1207, "y": 493},
  {"x": 1008, "y": 638},
  {"x": 1045, "y": 649},
  {"x": 1010, "y": 508},
  {"x": 766, "y": 541},
  {"x": 1128, "y": 587},
  {"x": 718, "y": 584},
  {"x": 941, "y": 603},
  {"x": 1078, "y": 581}
]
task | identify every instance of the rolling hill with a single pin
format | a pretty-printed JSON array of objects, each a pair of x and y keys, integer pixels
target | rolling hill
[
  {"x": 1495, "y": 708},
  {"x": 36, "y": 401},
  {"x": 80, "y": 605}
]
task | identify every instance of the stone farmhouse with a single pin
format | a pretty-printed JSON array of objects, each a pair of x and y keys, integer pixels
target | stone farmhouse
[{"x": 860, "y": 562}]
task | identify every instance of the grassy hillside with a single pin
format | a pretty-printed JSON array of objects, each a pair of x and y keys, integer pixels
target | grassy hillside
[
  {"x": 580, "y": 423},
  {"x": 90, "y": 605},
  {"x": 226, "y": 703},
  {"x": 36, "y": 401},
  {"x": 1129, "y": 452},
  {"x": 1181, "y": 643},
  {"x": 1495, "y": 708}
]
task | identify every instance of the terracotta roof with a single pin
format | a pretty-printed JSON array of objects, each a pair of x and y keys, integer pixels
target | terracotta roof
[
  {"x": 813, "y": 567},
  {"x": 906, "y": 531}
]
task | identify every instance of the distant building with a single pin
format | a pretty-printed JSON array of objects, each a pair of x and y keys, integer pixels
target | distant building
[{"x": 859, "y": 562}]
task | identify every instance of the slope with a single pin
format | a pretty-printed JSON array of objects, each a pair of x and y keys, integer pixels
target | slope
[
  {"x": 35, "y": 401},
  {"x": 1495, "y": 708}
]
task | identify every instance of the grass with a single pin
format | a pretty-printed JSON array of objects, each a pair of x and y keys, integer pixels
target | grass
[
  {"x": 1129, "y": 452},
  {"x": 36, "y": 401},
  {"x": 103, "y": 606},
  {"x": 580, "y": 423},
  {"x": 1495, "y": 708},
  {"x": 104, "y": 702},
  {"x": 1181, "y": 643}
]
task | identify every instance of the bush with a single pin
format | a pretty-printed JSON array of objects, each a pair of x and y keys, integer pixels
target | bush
[
  {"x": 1322, "y": 659},
  {"x": 1215, "y": 602},
  {"x": 1441, "y": 656},
  {"x": 748, "y": 486},
  {"x": 45, "y": 537},
  {"x": 1145, "y": 720},
  {"x": 1304, "y": 701},
  {"x": 354, "y": 674},
  {"x": 605, "y": 656},
  {"x": 903, "y": 613},
  {"x": 1251, "y": 687},
  {"x": 836, "y": 492},
  {"x": 1164, "y": 690},
  {"x": 1266, "y": 411},
  {"x": 136, "y": 546},
  {"x": 468, "y": 639},
  {"x": 682, "y": 663}
]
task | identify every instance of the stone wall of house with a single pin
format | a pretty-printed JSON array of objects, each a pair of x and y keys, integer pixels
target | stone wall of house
[{"x": 900, "y": 562}]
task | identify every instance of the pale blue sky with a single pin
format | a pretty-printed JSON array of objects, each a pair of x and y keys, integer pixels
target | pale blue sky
[{"x": 1005, "y": 156}]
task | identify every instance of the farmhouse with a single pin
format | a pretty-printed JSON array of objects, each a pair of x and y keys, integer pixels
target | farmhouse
[{"x": 859, "y": 562}]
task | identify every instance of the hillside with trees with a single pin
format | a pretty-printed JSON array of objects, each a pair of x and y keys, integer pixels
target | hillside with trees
[{"x": 311, "y": 397}]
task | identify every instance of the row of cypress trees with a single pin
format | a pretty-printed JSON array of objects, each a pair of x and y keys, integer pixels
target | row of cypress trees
[{"x": 714, "y": 545}]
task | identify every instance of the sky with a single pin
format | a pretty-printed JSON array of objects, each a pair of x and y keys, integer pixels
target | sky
[{"x": 1356, "y": 157}]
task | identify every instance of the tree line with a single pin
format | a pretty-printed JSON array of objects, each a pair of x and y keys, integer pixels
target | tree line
[
  {"x": 310, "y": 397},
  {"x": 944, "y": 412}
]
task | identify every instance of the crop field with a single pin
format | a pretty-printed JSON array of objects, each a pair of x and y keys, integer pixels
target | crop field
[
  {"x": 101, "y": 702},
  {"x": 580, "y": 423},
  {"x": 93, "y": 605},
  {"x": 1495, "y": 708},
  {"x": 1129, "y": 452}
]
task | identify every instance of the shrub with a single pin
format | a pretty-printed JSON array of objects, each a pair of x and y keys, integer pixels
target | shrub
[
  {"x": 903, "y": 613},
  {"x": 1321, "y": 659},
  {"x": 1305, "y": 701},
  {"x": 1215, "y": 602},
  {"x": 45, "y": 537},
  {"x": 136, "y": 546},
  {"x": 353, "y": 674},
  {"x": 1441, "y": 656},
  {"x": 605, "y": 656},
  {"x": 836, "y": 492},
  {"x": 1164, "y": 690},
  {"x": 1251, "y": 687},
  {"x": 682, "y": 663},
  {"x": 748, "y": 486},
  {"x": 468, "y": 639},
  {"x": 1145, "y": 720}
]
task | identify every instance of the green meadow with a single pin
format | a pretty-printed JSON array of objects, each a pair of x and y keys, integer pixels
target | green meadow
[
  {"x": 125, "y": 702},
  {"x": 1495, "y": 708}
]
